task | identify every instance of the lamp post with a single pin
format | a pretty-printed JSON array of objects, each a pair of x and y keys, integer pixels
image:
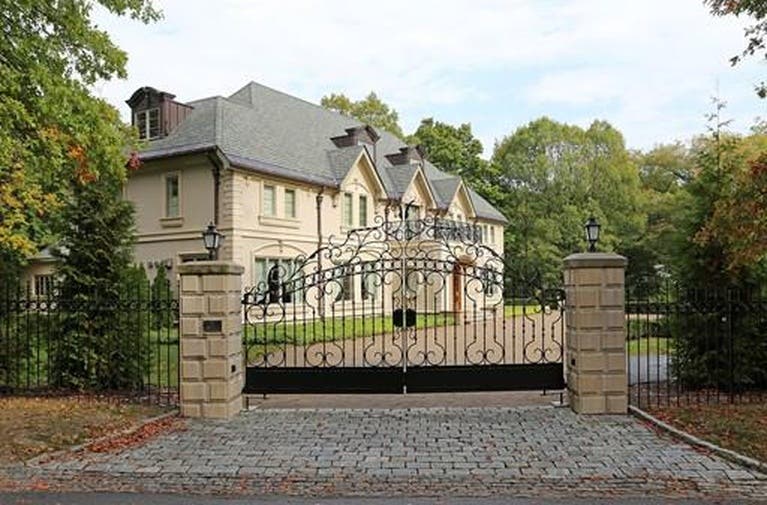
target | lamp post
[
  {"x": 212, "y": 239},
  {"x": 592, "y": 233}
]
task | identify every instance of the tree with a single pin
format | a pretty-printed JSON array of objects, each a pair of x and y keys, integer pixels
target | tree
[
  {"x": 453, "y": 149},
  {"x": 717, "y": 258},
  {"x": 370, "y": 110},
  {"x": 551, "y": 177},
  {"x": 54, "y": 130},
  {"x": 94, "y": 255},
  {"x": 664, "y": 172},
  {"x": 736, "y": 215},
  {"x": 161, "y": 296},
  {"x": 755, "y": 34}
]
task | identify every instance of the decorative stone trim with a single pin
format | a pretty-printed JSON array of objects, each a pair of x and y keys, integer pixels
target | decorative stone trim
[{"x": 210, "y": 267}]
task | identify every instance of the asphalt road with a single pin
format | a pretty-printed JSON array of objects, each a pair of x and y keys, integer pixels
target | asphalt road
[
  {"x": 645, "y": 368},
  {"x": 159, "y": 499}
]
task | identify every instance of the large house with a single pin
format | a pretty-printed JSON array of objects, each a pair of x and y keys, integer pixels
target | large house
[{"x": 279, "y": 176}]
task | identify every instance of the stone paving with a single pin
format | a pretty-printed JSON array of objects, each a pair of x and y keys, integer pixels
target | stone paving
[{"x": 537, "y": 451}]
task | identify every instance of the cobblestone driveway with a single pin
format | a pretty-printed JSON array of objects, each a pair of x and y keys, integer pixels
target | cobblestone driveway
[{"x": 522, "y": 451}]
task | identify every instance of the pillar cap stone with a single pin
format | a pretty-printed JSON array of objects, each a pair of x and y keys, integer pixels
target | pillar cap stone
[
  {"x": 210, "y": 267},
  {"x": 595, "y": 260}
]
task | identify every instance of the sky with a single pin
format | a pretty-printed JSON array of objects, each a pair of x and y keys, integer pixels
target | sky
[{"x": 649, "y": 67}]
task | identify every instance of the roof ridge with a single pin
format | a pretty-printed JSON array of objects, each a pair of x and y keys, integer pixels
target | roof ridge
[
  {"x": 297, "y": 98},
  {"x": 197, "y": 100},
  {"x": 315, "y": 105}
]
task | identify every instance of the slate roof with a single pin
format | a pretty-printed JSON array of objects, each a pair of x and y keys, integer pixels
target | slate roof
[
  {"x": 445, "y": 190},
  {"x": 263, "y": 129},
  {"x": 400, "y": 177}
]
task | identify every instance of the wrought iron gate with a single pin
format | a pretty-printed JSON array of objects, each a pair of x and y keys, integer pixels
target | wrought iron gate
[{"x": 403, "y": 306}]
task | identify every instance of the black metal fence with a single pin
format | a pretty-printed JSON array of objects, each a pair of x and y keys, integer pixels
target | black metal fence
[
  {"x": 123, "y": 345},
  {"x": 688, "y": 345}
]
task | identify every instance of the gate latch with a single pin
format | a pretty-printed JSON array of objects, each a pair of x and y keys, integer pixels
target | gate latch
[{"x": 407, "y": 321}]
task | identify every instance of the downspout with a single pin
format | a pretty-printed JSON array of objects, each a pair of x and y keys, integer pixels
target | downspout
[
  {"x": 216, "y": 192},
  {"x": 321, "y": 301},
  {"x": 219, "y": 162},
  {"x": 319, "y": 216}
]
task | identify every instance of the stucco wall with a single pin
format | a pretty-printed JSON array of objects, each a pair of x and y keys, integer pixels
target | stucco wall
[
  {"x": 249, "y": 232},
  {"x": 161, "y": 239}
]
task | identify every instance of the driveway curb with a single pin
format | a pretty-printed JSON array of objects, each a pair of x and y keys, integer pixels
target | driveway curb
[
  {"x": 728, "y": 454},
  {"x": 44, "y": 458}
]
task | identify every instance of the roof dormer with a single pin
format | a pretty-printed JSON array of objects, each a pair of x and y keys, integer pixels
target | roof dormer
[
  {"x": 357, "y": 135},
  {"x": 406, "y": 156},
  {"x": 155, "y": 113}
]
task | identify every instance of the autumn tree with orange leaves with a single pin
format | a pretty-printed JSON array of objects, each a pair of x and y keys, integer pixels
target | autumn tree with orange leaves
[
  {"x": 55, "y": 136},
  {"x": 738, "y": 218}
]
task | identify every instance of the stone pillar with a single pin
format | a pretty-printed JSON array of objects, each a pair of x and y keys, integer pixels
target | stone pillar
[
  {"x": 212, "y": 369},
  {"x": 596, "y": 333}
]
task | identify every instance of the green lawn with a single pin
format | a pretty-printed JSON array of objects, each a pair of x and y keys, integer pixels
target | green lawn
[
  {"x": 34, "y": 370},
  {"x": 272, "y": 335},
  {"x": 518, "y": 310},
  {"x": 649, "y": 346},
  {"x": 330, "y": 329},
  {"x": 163, "y": 360}
]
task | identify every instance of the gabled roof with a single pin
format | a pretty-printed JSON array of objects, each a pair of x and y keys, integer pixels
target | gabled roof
[
  {"x": 401, "y": 176},
  {"x": 445, "y": 190},
  {"x": 342, "y": 159},
  {"x": 265, "y": 130},
  {"x": 449, "y": 189}
]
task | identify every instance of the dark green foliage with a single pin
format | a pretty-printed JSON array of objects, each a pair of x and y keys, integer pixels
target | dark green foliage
[
  {"x": 641, "y": 328},
  {"x": 161, "y": 296},
  {"x": 15, "y": 350},
  {"x": 454, "y": 149},
  {"x": 720, "y": 345},
  {"x": 95, "y": 255},
  {"x": 550, "y": 177},
  {"x": 370, "y": 110}
]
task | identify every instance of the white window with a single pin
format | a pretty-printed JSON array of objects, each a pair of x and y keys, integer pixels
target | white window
[
  {"x": 43, "y": 285},
  {"x": 348, "y": 210},
  {"x": 290, "y": 203},
  {"x": 172, "y": 208},
  {"x": 345, "y": 281},
  {"x": 148, "y": 124},
  {"x": 363, "y": 211},
  {"x": 370, "y": 281},
  {"x": 291, "y": 284},
  {"x": 269, "y": 203},
  {"x": 491, "y": 281},
  {"x": 492, "y": 234}
]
